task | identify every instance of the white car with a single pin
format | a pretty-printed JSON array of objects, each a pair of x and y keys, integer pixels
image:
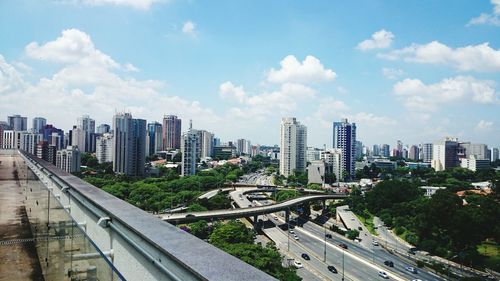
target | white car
[
  {"x": 383, "y": 274},
  {"x": 291, "y": 231},
  {"x": 297, "y": 264},
  {"x": 375, "y": 243},
  {"x": 295, "y": 237}
]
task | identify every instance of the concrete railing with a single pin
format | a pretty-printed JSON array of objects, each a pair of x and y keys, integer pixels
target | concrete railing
[{"x": 143, "y": 247}]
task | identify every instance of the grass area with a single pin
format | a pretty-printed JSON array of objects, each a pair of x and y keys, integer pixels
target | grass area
[
  {"x": 367, "y": 219},
  {"x": 490, "y": 251}
]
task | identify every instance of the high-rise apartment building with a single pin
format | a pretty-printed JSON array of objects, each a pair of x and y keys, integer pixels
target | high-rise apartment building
[
  {"x": 312, "y": 154},
  {"x": 376, "y": 150},
  {"x": 446, "y": 154},
  {"x": 103, "y": 128},
  {"x": 38, "y": 124},
  {"x": 171, "y": 132},
  {"x": 12, "y": 139},
  {"x": 86, "y": 123},
  {"x": 206, "y": 140},
  {"x": 18, "y": 123},
  {"x": 495, "y": 155},
  {"x": 344, "y": 138},
  {"x": 49, "y": 133},
  {"x": 413, "y": 152},
  {"x": 104, "y": 148},
  {"x": 478, "y": 150},
  {"x": 358, "y": 152},
  {"x": 155, "y": 138},
  {"x": 385, "y": 150},
  {"x": 129, "y": 144},
  {"x": 333, "y": 162},
  {"x": 69, "y": 159},
  {"x": 77, "y": 137},
  {"x": 30, "y": 141},
  {"x": 189, "y": 148},
  {"x": 426, "y": 153},
  {"x": 293, "y": 146}
]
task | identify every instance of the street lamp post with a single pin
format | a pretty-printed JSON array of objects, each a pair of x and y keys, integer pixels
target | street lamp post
[
  {"x": 324, "y": 256},
  {"x": 343, "y": 264}
]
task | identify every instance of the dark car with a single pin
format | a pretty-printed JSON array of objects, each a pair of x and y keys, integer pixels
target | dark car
[
  {"x": 328, "y": 235},
  {"x": 332, "y": 268},
  {"x": 389, "y": 263},
  {"x": 305, "y": 256},
  {"x": 342, "y": 245}
]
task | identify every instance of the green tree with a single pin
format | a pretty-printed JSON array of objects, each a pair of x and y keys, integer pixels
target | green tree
[
  {"x": 199, "y": 229},
  {"x": 231, "y": 233}
]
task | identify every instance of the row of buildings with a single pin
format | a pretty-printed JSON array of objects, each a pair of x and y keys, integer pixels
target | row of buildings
[
  {"x": 338, "y": 160},
  {"x": 126, "y": 143}
]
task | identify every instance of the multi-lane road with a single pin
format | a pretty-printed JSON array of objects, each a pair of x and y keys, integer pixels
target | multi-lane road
[{"x": 360, "y": 261}]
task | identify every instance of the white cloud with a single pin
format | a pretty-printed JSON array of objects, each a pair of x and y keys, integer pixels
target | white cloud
[
  {"x": 380, "y": 40},
  {"x": 130, "y": 68},
  {"x": 392, "y": 73},
  {"x": 87, "y": 84},
  {"x": 481, "y": 58},
  {"x": 292, "y": 71},
  {"x": 491, "y": 19},
  {"x": 189, "y": 27},
  {"x": 73, "y": 46},
  {"x": 229, "y": 91},
  {"x": 137, "y": 4},
  {"x": 484, "y": 125},
  {"x": 418, "y": 96}
]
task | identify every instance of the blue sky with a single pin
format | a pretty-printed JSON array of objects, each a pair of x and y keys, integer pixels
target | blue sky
[{"x": 413, "y": 70}]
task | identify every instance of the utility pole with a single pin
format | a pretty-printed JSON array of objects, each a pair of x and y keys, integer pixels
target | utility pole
[
  {"x": 343, "y": 264},
  {"x": 324, "y": 256}
]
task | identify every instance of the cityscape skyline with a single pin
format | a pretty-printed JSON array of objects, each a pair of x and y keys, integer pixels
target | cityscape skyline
[{"x": 380, "y": 75}]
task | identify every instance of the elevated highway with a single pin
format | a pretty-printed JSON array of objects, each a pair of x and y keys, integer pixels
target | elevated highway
[{"x": 246, "y": 212}]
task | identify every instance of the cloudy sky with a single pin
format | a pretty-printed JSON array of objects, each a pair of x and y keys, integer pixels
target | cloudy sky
[{"x": 416, "y": 71}]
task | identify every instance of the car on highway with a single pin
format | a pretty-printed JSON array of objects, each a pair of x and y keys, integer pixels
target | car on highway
[
  {"x": 389, "y": 263},
  {"x": 383, "y": 274},
  {"x": 375, "y": 243},
  {"x": 332, "y": 269},
  {"x": 297, "y": 264},
  {"x": 342, "y": 245},
  {"x": 291, "y": 231},
  {"x": 305, "y": 256},
  {"x": 295, "y": 237},
  {"x": 411, "y": 269},
  {"x": 328, "y": 235},
  {"x": 416, "y": 280}
]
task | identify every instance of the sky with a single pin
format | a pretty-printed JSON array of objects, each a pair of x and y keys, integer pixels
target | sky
[{"x": 416, "y": 70}]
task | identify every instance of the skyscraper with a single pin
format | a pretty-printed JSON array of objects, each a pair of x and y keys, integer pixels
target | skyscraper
[
  {"x": 426, "y": 154},
  {"x": 479, "y": 150},
  {"x": 18, "y": 123},
  {"x": 385, "y": 150},
  {"x": 103, "y": 128},
  {"x": 129, "y": 144},
  {"x": 376, "y": 150},
  {"x": 104, "y": 148},
  {"x": 293, "y": 146},
  {"x": 189, "y": 148},
  {"x": 30, "y": 140},
  {"x": 171, "y": 132},
  {"x": 155, "y": 138},
  {"x": 344, "y": 138},
  {"x": 445, "y": 154},
  {"x": 49, "y": 134},
  {"x": 494, "y": 154},
  {"x": 87, "y": 125},
  {"x": 413, "y": 152},
  {"x": 38, "y": 124},
  {"x": 206, "y": 140},
  {"x": 68, "y": 159}
]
